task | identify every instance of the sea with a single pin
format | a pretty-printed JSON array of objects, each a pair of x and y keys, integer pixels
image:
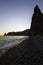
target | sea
[{"x": 7, "y": 42}]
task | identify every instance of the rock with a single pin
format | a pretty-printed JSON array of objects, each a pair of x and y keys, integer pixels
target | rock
[
  {"x": 37, "y": 21},
  {"x": 5, "y": 34}
]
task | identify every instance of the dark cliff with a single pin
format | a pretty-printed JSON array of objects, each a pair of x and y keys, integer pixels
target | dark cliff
[{"x": 37, "y": 22}]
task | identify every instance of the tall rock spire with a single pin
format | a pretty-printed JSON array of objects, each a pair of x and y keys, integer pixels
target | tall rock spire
[
  {"x": 36, "y": 9},
  {"x": 37, "y": 21}
]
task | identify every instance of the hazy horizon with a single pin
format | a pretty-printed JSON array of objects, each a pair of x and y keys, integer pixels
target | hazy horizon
[{"x": 15, "y": 15}]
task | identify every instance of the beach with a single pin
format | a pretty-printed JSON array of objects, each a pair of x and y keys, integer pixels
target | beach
[
  {"x": 28, "y": 52},
  {"x": 7, "y": 42}
]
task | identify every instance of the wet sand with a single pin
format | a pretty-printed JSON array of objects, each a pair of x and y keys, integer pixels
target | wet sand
[{"x": 28, "y": 52}]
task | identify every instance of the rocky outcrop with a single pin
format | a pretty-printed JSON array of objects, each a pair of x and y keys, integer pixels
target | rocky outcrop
[
  {"x": 4, "y": 34},
  {"x": 23, "y": 33},
  {"x": 37, "y": 21}
]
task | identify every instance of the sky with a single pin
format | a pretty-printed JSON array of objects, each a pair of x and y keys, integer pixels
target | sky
[{"x": 16, "y": 15}]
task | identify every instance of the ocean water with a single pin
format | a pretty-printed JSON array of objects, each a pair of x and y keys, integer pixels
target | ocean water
[{"x": 7, "y": 42}]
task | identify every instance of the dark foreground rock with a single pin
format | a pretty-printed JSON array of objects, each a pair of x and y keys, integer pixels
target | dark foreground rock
[{"x": 26, "y": 53}]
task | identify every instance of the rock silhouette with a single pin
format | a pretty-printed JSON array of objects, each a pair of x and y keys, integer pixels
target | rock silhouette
[
  {"x": 36, "y": 25},
  {"x": 37, "y": 21},
  {"x": 4, "y": 34},
  {"x": 24, "y": 33}
]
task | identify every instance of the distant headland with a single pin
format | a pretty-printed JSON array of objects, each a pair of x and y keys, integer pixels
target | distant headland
[{"x": 36, "y": 25}]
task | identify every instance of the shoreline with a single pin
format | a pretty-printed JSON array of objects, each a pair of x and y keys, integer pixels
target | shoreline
[
  {"x": 9, "y": 45},
  {"x": 25, "y": 53}
]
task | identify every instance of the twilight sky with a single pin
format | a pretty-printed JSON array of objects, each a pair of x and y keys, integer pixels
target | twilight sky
[{"x": 15, "y": 15}]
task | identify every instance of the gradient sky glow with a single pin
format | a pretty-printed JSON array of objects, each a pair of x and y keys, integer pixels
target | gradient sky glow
[{"x": 15, "y": 15}]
